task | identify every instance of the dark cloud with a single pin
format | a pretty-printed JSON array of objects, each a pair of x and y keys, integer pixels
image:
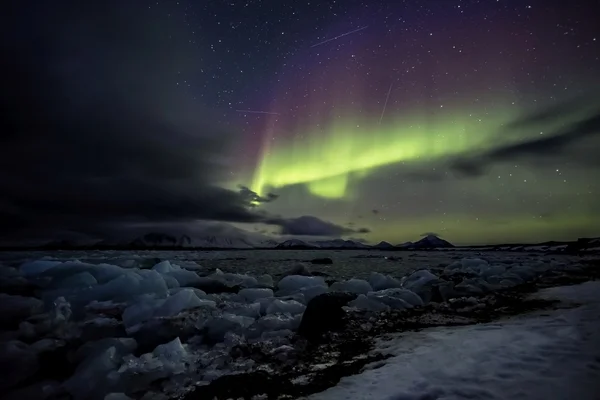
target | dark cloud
[
  {"x": 96, "y": 134},
  {"x": 312, "y": 226},
  {"x": 551, "y": 145},
  {"x": 254, "y": 198},
  {"x": 374, "y": 211}
]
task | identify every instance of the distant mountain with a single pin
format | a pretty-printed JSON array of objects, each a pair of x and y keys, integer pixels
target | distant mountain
[
  {"x": 430, "y": 242},
  {"x": 405, "y": 244},
  {"x": 159, "y": 239},
  {"x": 295, "y": 244},
  {"x": 339, "y": 244},
  {"x": 384, "y": 245}
]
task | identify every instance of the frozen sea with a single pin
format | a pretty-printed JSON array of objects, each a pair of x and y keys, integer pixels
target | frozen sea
[
  {"x": 153, "y": 330},
  {"x": 346, "y": 263}
]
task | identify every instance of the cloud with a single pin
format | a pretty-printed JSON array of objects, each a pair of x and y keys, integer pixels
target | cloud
[
  {"x": 375, "y": 211},
  {"x": 561, "y": 142},
  {"x": 308, "y": 225},
  {"x": 254, "y": 198},
  {"x": 96, "y": 137},
  {"x": 429, "y": 234}
]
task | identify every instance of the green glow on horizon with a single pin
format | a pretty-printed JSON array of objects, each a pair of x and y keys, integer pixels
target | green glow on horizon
[{"x": 327, "y": 159}]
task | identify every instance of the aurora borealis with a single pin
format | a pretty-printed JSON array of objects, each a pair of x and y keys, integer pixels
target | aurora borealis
[{"x": 376, "y": 120}]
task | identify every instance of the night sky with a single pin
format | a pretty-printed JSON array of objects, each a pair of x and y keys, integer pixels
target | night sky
[{"x": 374, "y": 120}]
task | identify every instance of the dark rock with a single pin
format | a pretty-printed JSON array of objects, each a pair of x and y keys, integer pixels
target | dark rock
[
  {"x": 324, "y": 313},
  {"x": 319, "y": 273},
  {"x": 211, "y": 286},
  {"x": 323, "y": 261}
]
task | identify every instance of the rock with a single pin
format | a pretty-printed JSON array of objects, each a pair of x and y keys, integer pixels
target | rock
[
  {"x": 324, "y": 313},
  {"x": 322, "y": 261}
]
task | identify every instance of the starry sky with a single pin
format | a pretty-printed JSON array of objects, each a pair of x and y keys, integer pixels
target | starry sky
[{"x": 373, "y": 120}]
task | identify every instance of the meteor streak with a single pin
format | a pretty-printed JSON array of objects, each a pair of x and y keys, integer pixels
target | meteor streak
[{"x": 339, "y": 36}]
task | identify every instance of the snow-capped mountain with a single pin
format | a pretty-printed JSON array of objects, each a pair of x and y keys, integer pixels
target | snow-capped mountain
[
  {"x": 431, "y": 242},
  {"x": 295, "y": 244}
]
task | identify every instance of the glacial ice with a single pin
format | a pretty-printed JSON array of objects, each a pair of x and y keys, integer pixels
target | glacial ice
[
  {"x": 18, "y": 362},
  {"x": 381, "y": 282},
  {"x": 396, "y": 298},
  {"x": 293, "y": 283},
  {"x": 255, "y": 293},
  {"x": 358, "y": 286},
  {"x": 182, "y": 300},
  {"x": 362, "y": 302},
  {"x": 281, "y": 306}
]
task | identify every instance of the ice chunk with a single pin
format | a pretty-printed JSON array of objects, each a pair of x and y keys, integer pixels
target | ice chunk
[
  {"x": 421, "y": 282},
  {"x": 18, "y": 362},
  {"x": 185, "y": 277},
  {"x": 358, "y": 286},
  {"x": 362, "y": 302},
  {"x": 381, "y": 282},
  {"x": 217, "y": 327},
  {"x": 80, "y": 280},
  {"x": 141, "y": 311},
  {"x": 296, "y": 282},
  {"x": 231, "y": 280},
  {"x": 46, "y": 345},
  {"x": 164, "y": 267},
  {"x": 93, "y": 349},
  {"x": 14, "y": 309},
  {"x": 390, "y": 297},
  {"x": 183, "y": 300},
  {"x": 189, "y": 265},
  {"x": 291, "y": 306},
  {"x": 310, "y": 293},
  {"x": 246, "y": 310},
  {"x": 265, "y": 281},
  {"x": 36, "y": 267},
  {"x": 418, "y": 279},
  {"x": 278, "y": 322},
  {"x": 91, "y": 377},
  {"x": 171, "y": 282},
  {"x": 172, "y": 355},
  {"x": 264, "y": 304},
  {"x": 254, "y": 294},
  {"x": 201, "y": 294},
  {"x": 525, "y": 273}
]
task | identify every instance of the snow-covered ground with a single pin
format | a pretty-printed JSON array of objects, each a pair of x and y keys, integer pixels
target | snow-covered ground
[{"x": 551, "y": 355}]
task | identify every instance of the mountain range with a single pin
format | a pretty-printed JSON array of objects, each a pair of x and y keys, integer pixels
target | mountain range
[{"x": 235, "y": 238}]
